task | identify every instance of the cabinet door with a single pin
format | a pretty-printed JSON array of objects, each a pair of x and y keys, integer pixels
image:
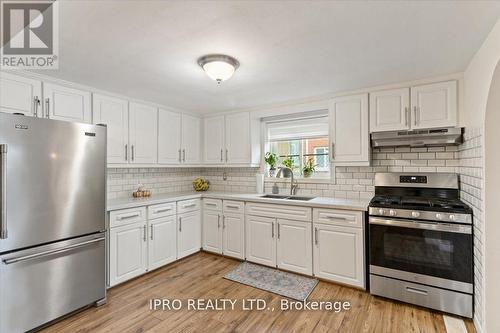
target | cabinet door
[
  {"x": 65, "y": 103},
  {"x": 212, "y": 231},
  {"x": 214, "y": 140},
  {"x": 169, "y": 137},
  {"x": 114, "y": 113},
  {"x": 434, "y": 105},
  {"x": 127, "y": 252},
  {"x": 294, "y": 247},
  {"x": 238, "y": 138},
  {"x": 260, "y": 240},
  {"x": 338, "y": 254},
  {"x": 20, "y": 95},
  {"x": 390, "y": 110},
  {"x": 143, "y": 125},
  {"x": 188, "y": 234},
  {"x": 162, "y": 248},
  {"x": 234, "y": 235},
  {"x": 349, "y": 132},
  {"x": 191, "y": 151}
]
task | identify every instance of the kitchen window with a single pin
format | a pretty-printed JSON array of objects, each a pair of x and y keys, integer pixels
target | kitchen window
[{"x": 301, "y": 140}]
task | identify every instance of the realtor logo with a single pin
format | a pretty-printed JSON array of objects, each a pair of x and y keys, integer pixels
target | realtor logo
[{"x": 29, "y": 34}]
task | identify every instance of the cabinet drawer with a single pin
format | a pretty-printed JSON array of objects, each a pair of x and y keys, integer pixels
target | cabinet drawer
[
  {"x": 279, "y": 211},
  {"x": 212, "y": 204},
  {"x": 345, "y": 218},
  {"x": 127, "y": 216},
  {"x": 161, "y": 210},
  {"x": 188, "y": 205},
  {"x": 237, "y": 207}
]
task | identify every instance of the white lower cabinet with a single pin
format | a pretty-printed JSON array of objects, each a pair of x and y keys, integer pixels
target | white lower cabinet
[
  {"x": 162, "y": 244},
  {"x": 212, "y": 232},
  {"x": 128, "y": 252},
  {"x": 294, "y": 249},
  {"x": 233, "y": 235},
  {"x": 338, "y": 254},
  {"x": 188, "y": 233},
  {"x": 260, "y": 240}
]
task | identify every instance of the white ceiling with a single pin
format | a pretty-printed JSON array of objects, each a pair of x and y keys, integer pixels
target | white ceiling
[{"x": 287, "y": 50}]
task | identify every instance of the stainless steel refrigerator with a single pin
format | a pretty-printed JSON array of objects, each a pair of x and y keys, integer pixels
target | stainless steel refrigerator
[{"x": 52, "y": 221}]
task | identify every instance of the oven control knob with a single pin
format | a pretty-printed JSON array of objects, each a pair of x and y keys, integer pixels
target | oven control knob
[
  {"x": 381, "y": 211},
  {"x": 439, "y": 216},
  {"x": 392, "y": 212},
  {"x": 452, "y": 217},
  {"x": 415, "y": 214}
]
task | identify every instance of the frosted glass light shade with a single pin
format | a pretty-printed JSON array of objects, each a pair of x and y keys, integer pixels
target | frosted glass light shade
[{"x": 218, "y": 67}]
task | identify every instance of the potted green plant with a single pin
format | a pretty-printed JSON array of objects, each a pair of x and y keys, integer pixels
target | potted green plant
[
  {"x": 288, "y": 163},
  {"x": 271, "y": 159},
  {"x": 309, "y": 168}
]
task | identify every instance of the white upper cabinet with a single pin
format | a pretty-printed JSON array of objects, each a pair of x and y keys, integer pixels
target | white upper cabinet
[
  {"x": 20, "y": 95},
  {"x": 143, "y": 125},
  {"x": 232, "y": 139},
  {"x": 191, "y": 145},
  {"x": 238, "y": 138},
  {"x": 113, "y": 112},
  {"x": 65, "y": 103},
  {"x": 214, "y": 151},
  {"x": 434, "y": 105},
  {"x": 349, "y": 133},
  {"x": 169, "y": 137},
  {"x": 420, "y": 107},
  {"x": 390, "y": 110}
]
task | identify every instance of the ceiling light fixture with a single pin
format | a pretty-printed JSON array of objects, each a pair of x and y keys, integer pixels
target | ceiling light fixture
[{"x": 218, "y": 67}]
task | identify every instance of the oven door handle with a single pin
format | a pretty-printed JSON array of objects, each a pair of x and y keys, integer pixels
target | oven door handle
[{"x": 445, "y": 227}]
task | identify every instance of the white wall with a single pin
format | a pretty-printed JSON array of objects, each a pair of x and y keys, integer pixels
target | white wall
[{"x": 477, "y": 82}]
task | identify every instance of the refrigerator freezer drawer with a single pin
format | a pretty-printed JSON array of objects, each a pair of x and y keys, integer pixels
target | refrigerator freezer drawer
[{"x": 41, "y": 284}]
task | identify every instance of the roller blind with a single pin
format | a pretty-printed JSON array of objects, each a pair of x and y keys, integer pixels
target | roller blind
[{"x": 297, "y": 129}]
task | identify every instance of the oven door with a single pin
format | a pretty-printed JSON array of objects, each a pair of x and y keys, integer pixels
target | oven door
[{"x": 420, "y": 251}]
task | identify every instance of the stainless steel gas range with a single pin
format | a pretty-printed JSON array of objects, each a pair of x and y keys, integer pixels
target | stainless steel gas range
[{"x": 421, "y": 242}]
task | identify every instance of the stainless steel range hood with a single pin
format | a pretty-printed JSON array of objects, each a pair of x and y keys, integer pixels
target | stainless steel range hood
[{"x": 418, "y": 138}]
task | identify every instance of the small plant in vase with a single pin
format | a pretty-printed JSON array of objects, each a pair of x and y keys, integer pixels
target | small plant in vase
[
  {"x": 288, "y": 163},
  {"x": 309, "y": 168},
  {"x": 271, "y": 159}
]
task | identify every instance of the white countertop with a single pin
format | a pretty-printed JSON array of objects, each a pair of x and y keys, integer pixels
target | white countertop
[{"x": 321, "y": 202}]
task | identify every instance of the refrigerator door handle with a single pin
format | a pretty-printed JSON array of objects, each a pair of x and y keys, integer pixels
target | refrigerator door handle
[
  {"x": 3, "y": 191},
  {"x": 51, "y": 252}
]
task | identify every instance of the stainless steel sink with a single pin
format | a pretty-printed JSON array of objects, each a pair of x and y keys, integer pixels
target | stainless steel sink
[
  {"x": 275, "y": 196},
  {"x": 300, "y": 198},
  {"x": 287, "y": 197}
]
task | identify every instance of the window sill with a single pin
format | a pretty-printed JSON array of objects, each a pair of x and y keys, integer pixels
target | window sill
[{"x": 299, "y": 180}]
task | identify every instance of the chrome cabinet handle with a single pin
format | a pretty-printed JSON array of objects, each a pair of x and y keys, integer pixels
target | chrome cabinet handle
[
  {"x": 223, "y": 222},
  {"x": 36, "y": 102},
  {"x": 221, "y": 155},
  {"x": 406, "y": 116},
  {"x": 211, "y": 204},
  {"x": 180, "y": 224},
  {"x": 333, "y": 151},
  {"x": 190, "y": 205},
  {"x": 279, "y": 233},
  {"x": 316, "y": 236},
  {"x": 145, "y": 233},
  {"x": 417, "y": 291},
  {"x": 151, "y": 236},
  {"x": 161, "y": 210},
  {"x": 218, "y": 221},
  {"x": 340, "y": 217},
  {"x": 233, "y": 207},
  {"x": 415, "y": 115},
  {"x": 126, "y": 152},
  {"x": 180, "y": 160},
  {"x": 133, "y": 154},
  {"x": 47, "y": 108},
  {"x": 3, "y": 191},
  {"x": 227, "y": 155},
  {"x": 184, "y": 155},
  {"x": 50, "y": 252},
  {"x": 127, "y": 216},
  {"x": 272, "y": 230}
]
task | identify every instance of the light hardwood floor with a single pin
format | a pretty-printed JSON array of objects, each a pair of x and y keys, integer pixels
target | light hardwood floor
[{"x": 201, "y": 276}]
